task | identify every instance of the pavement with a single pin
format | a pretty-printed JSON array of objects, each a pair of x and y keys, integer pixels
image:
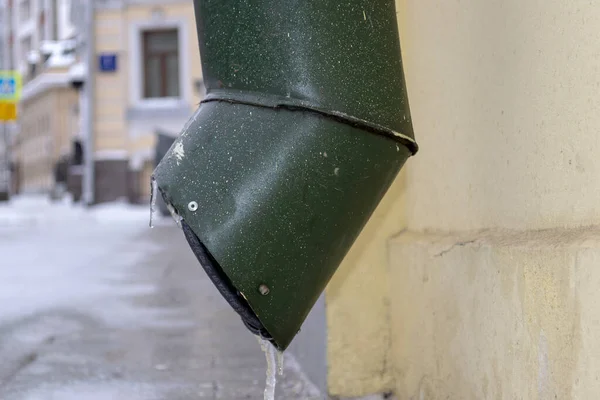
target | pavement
[{"x": 94, "y": 305}]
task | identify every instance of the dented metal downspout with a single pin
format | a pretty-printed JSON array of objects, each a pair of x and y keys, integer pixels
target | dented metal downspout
[{"x": 305, "y": 125}]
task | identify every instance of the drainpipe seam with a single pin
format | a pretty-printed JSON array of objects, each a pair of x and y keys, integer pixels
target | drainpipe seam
[{"x": 291, "y": 104}]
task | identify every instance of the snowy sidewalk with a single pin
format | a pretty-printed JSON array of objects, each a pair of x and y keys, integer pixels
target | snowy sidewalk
[{"x": 94, "y": 305}]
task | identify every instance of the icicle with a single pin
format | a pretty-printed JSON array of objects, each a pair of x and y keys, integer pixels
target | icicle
[
  {"x": 270, "y": 352},
  {"x": 174, "y": 214},
  {"x": 279, "y": 363},
  {"x": 153, "y": 197}
]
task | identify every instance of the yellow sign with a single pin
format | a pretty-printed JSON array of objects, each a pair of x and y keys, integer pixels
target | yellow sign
[
  {"x": 10, "y": 86},
  {"x": 8, "y": 111}
]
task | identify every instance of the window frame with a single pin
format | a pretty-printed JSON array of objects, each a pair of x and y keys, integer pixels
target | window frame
[{"x": 137, "y": 68}]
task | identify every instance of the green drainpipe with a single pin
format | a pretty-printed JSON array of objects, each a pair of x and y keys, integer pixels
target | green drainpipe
[{"x": 304, "y": 127}]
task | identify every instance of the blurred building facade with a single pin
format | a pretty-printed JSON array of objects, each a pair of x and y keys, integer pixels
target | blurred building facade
[
  {"x": 3, "y": 34},
  {"x": 4, "y": 133},
  {"x": 144, "y": 79},
  {"x": 37, "y": 45},
  {"x": 148, "y": 80}
]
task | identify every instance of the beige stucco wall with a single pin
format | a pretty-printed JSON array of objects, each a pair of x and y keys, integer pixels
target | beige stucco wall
[
  {"x": 494, "y": 283},
  {"x": 110, "y": 102},
  {"x": 510, "y": 90},
  {"x": 497, "y": 315},
  {"x": 358, "y": 306}
]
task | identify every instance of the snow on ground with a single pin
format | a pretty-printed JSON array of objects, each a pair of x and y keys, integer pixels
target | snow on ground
[
  {"x": 57, "y": 256},
  {"x": 39, "y": 210},
  {"x": 101, "y": 390},
  {"x": 96, "y": 306}
]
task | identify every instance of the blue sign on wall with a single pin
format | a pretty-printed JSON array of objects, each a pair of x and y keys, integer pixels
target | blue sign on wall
[
  {"x": 108, "y": 62},
  {"x": 10, "y": 86}
]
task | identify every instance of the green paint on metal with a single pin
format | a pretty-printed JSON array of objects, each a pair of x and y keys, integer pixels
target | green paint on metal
[
  {"x": 337, "y": 55},
  {"x": 305, "y": 126}
]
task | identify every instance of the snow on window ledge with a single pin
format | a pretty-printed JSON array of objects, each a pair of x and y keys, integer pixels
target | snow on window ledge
[{"x": 160, "y": 103}]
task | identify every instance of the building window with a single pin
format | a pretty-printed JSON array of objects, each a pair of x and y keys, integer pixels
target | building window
[{"x": 161, "y": 63}]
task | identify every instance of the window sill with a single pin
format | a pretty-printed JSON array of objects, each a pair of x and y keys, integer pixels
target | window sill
[
  {"x": 160, "y": 102},
  {"x": 159, "y": 109}
]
